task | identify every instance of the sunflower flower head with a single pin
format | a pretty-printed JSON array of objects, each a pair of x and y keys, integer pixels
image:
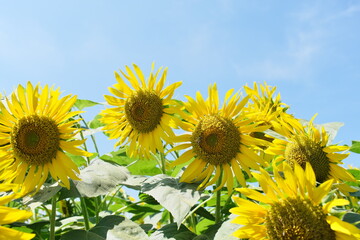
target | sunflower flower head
[
  {"x": 217, "y": 139},
  {"x": 290, "y": 208},
  {"x": 36, "y": 128},
  {"x": 143, "y": 112},
  {"x": 265, "y": 106},
  {"x": 309, "y": 144},
  {"x": 10, "y": 215}
]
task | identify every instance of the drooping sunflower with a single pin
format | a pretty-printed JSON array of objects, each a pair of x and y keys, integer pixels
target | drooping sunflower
[
  {"x": 306, "y": 143},
  {"x": 10, "y": 215},
  {"x": 143, "y": 115},
  {"x": 36, "y": 128},
  {"x": 290, "y": 208},
  {"x": 265, "y": 106},
  {"x": 218, "y": 140}
]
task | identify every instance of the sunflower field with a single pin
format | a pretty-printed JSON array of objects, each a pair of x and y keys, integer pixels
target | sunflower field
[{"x": 240, "y": 166}]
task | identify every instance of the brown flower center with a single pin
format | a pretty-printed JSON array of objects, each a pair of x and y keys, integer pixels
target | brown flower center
[
  {"x": 216, "y": 140},
  {"x": 144, "y": 110},
  {"x": 297, "y": 218},
  {"x": 35, "y": 139},
  {"x": 303, "y": 149}
]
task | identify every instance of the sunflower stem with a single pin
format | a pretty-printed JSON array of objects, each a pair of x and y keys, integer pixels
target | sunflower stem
[
  {"x": 193, "y": 222},
  {"x": 92, "y": 136},
  {"x": 85, "y": 147},
  {"x": 52, "y": 217},
  {"x": 163, "y": 168},
  {"x": 218, "y": 201},
  {"x": 85, "y": 212}
]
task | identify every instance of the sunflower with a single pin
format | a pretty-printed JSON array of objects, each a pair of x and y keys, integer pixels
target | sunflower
[
  {"x": 306, "y": 143},
  {"x": 290, "y": 208},
  {"x": 217, "y": 140},
  {"x": 143, "y": 115},
  {"x": 267, "y": 107},
  {"x": 36, "y": 128},
  {"x": 10, "y": 215}
]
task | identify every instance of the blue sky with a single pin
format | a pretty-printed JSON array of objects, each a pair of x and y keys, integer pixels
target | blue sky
[{"x": 309, "y": 49}]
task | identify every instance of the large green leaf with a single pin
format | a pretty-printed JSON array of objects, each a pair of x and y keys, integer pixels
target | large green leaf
[
  {"x": 173, "y": 232},
  {"x": 144, "y": 167},
  {"x": 83, "y": 103},
  {"x": 81, "y": 235},
  {"x": 126, "y": 230},
  {"x": 69, "y": 193},
  {"x": 176, "y": 197},
  {"x": 226, "y": 230},
  {"x": 106, "y": 224},
  {"x": 135, "y": 182},
  {"x": 46, "y": 192},
  {"x": 118, "y": 157},
  {"x": 95, "y": 123},
  {"x": 100, "y": 177},
  {"x": 355, "y": 147}
]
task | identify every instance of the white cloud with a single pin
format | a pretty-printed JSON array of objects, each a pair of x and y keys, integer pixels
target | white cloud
[{"x": 293, "y": 62}]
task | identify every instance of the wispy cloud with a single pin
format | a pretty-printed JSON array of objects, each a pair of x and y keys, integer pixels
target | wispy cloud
[
  {"x": 291, "y": 63},
  {"x": 306, "y": 44}
]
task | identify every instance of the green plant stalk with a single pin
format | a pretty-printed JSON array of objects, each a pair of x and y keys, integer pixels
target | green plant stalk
[
  {"x": 162, "y": 158},
  {"x": 85, "y": 213},
  {"x": 92, "y": 136},
  {"x": 98, "y": 199},
  {"x": 218, "y": 200},
  {"x": 193, "y": 222},
  {"x": 163, "y": 170},
  {"x": 52, "y": 217}
]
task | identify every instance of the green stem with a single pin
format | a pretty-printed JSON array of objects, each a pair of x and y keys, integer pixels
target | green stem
[
  {"x": 197, "y": 207},
  {"x": 85, "y": 147},
  {"x": 193, "y": 222},
  {"x": 123, "y": 208},
  {"x": 162, "y": 157},
  {"x": 52, "y": 218},
  {"x": 92, "y": 136},
  {"x": 163, "y": 170},
  {"x": 218, "y": 201},
  {"x": 171, "y": 218},
  {"x": 85, "y": 213}
]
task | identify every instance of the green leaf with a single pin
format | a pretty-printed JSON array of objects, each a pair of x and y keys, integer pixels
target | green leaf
[
  {"x": 331, "y": 129},
  {"x": 355, "y": 173},
  {"x": 211, "y": 230},
  {"x": 148, "y": 199},
  {"x": 100, "y": 177},
  {"x": 118, "y": 157},
  {"x": 176, "y": 197},
  {"x": 355, "y": 147},
  {"x": 144, "y": 167},
  {"x": 204, "y": 213},
  {"x": 202, "y": 237},
  {"x": 69, "y": 193},
  {"x": 82, "y": 103},
  {"x": 46, "y": 192},
  {"x": 355, "y": 194},
  {"x": 106, "y": 224},
  {"x": 126, "y": 230},
  {"x": 78, "y": 160},
  {"x": 81, "y": 234},
  {"x": 141, "y": 211},
  {"x": 135, "y": 182},
  {"x": 171, "y": 232},
  {"x": 353, "y": 218},
  {"x": 226, "y": 230},
  {"x": 95, "y": 123}
]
